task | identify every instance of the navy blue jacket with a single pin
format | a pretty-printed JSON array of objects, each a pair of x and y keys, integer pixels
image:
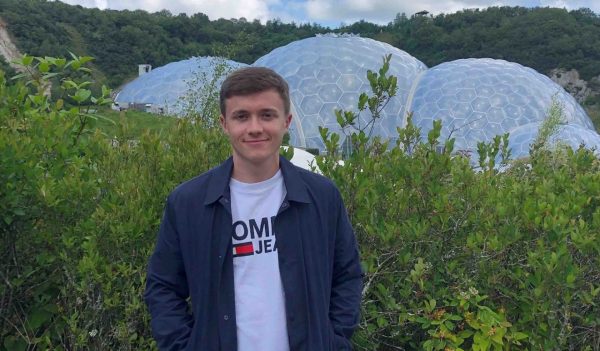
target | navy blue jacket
[{"x": 318, "y": 262}]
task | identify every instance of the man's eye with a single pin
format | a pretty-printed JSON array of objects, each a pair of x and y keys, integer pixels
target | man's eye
[{"x": 268, "y": 115}]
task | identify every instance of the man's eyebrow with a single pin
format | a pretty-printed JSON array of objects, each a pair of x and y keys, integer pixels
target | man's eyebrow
[
  {"x": 268, "y": 109},
  {"x": 239, "y": 112}
]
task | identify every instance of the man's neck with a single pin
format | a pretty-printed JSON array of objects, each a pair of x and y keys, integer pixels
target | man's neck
[{"x": 252, "y": 173}]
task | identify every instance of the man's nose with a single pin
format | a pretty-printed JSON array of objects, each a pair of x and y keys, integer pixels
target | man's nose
[{"x": 255, "y": 125}]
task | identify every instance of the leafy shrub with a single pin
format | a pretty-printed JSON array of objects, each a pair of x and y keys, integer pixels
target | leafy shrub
[
  {"x": 80, "y": 213},
  {"x": 455, "y": 258},
  {"x": 458, "y": 258}
]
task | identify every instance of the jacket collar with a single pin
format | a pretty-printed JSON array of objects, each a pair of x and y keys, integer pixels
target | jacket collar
[{"x": 218, "y": 185}]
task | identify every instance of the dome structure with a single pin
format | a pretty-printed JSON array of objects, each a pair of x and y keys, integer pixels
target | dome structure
[
  {"x": 575, "y": 136},
  {"x": 477, "y": 99},
  {"x": 166, "y": 86},
  {"x": 329, "y": 72}
]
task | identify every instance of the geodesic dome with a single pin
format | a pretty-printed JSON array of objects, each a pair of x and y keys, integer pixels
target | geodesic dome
[
  {"x": 166, "y": 86},
  {"x": 477, "y": 99},
  {"x": 329, "y": 72},
  {"x": 573, "y": 135}
]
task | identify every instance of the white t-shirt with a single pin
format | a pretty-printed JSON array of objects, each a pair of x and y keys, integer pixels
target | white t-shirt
[{"x": 259, "y": 298}]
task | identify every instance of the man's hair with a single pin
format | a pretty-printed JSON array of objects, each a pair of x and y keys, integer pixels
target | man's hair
[{"x": 251, "y": 80}]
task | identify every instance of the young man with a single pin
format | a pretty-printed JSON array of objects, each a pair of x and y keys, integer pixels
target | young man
[{"x": 262, "y": 249}]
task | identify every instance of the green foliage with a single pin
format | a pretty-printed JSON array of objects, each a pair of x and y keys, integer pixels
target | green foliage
[
  {"x": 458, "y": 258},
  {"x": 455, "y": 258},
  {"x": 6, "y": 68},
  {"x": 489, "y": 152},
  {"x": 201, "y": 102},
  {"x": 549, "y": 127},
  {"x": 80, "y": 212},
  {"x": 137, "y": 123}
]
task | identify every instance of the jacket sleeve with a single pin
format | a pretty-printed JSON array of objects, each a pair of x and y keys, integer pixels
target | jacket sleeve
[
  {"x": 167, "y": 288},
  {"x": 347, "y": 281}
]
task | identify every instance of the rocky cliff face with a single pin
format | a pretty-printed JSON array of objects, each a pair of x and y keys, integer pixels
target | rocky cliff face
[
  {"x": 10, "y": 53},
  {"x": 7, "y": 48},
  {"x": 571, "y": 82}
]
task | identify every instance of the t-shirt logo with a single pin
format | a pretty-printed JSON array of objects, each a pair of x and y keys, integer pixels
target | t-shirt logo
[
  {"x": 243, "y": 249},
  {"x": 254, "y": 237}
]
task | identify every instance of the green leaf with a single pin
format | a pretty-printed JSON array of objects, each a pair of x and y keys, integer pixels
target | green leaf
[
  {"x": 82, "y": 95},
  {"x": 12, "y": 343},
  {"x": 571, "y": 278},
  {"x": 85, "y": 59},
  {"x": 428, "y": 345},
  {"x": 27, "y": 60},
  {"x": 38, "y": 317},
  {"x": 18, "y": 76},
  {"x": 44, "y": 67},
  {"x": 339, "y": 118},
  {"x": 465, "y": 334},
  {"x": 49, "y": 75},
  {"x": 69, "y": 84},
  {"x": 519, "y": 336},
  {"x": 96, "y": 116},
  {"x": 7, "y": 219},
  {"x": 287, "y": 152},
  {"x": 481, "y": 341},
  {"x": 105, "y": 91},
  {"x": 362, "y": 101},
  {"x": 60, "y": 62}
]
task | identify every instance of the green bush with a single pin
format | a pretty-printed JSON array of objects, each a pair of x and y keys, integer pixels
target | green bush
[
  {"x": 456, "y": 258},
  {"x": 463, "y": 258},
  {"x": 80, "y": 212}
]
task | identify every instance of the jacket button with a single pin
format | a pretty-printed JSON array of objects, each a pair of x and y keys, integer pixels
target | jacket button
[{"x": 226, "y": 317}]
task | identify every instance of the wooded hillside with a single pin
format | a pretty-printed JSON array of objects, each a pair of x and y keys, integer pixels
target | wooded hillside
[{"x": 541, "y": 38}]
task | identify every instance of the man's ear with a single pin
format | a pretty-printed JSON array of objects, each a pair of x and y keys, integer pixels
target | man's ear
[
  {"x": 223, "y": 123},
  {"x": 288, "y": 120}
]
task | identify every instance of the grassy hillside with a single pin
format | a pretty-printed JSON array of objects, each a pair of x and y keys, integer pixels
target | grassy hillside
[{"x": 136, "y": 122}]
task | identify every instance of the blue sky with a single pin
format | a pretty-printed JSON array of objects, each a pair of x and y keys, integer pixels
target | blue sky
[{"x": 326, "y": 12}]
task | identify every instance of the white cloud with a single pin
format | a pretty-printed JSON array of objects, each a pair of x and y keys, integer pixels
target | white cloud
[
  {"x": 214, "y": 9},
  {"x": 383, "y": 11},
  {"x": 321, "y": 11}
]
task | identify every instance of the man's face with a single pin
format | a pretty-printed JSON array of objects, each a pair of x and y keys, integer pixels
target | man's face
[{"x": 255, "y": 125}]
